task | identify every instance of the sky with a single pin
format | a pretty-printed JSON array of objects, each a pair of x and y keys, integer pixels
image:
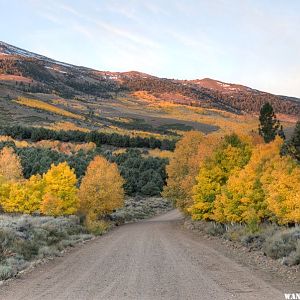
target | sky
[{"x": 251, "y": 42}]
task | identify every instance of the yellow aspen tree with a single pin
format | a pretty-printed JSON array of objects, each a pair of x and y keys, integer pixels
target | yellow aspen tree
[
  {"x": 230, "y": 156},
  {"x": 243, "y": 198},
  {"x": 24, "y": 196},
  {"x": 10, "y": 165},
  {"x": 183, "y": 168},
  {"x": 281, "y": 182},
  {"x": 101, "y": 190},
  {"x": 60, "y": 192},
  {"x": 5, "y": 187}
]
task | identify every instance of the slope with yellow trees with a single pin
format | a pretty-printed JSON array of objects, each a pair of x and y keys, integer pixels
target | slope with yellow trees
[{"x": 234, "y": 179}]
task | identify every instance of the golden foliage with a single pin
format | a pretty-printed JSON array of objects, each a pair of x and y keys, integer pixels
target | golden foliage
[
  {"x": 243, "y": 197},
  {"x": 160, "y": 153},
  {"x": 60, "y": 193},
  {"x": 67, "y": 126},
  {"x": 96, "y": 226},
  {"x": 34, "y": 103},
  {"x": 119, "y": 151},
  {"x": 101, "y": 190},
  {"x": 64, "y": 147},
  {"x": 230, "y": 156},
  {"x": 182, "y": 169},
  {"x": 267, "y": 187},
  {"x": 281, "y": 182},
  {"x": 24, "y": 196},
  {"x": 10, "y": 164},
  {"x": 19, "y": 144},
  {"x": 145, "y": 96}
]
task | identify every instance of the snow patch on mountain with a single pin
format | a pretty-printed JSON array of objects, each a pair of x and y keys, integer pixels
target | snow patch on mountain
[{"x": 6, "y": 49}]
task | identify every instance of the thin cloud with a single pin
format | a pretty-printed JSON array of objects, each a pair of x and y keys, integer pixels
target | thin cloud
[
  {"x": 129, "y": 35},
  {"x": 108, "y": 27},
  {"x": 252, "y": 42}
]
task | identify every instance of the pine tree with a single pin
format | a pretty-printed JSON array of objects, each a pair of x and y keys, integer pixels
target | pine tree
[
  {"x": 296, "y": 136},
  {"x": 269, "y": 125},
  {"x": 292, "y": 146}
]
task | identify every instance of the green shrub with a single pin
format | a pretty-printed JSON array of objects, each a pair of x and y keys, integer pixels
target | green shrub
[
  {"x": 214, "y": 229},
  {"x": 6, "y": 272},
  {"x": 235, "y": 232},
  {"x": 294, "y": 257},
  {"x": 27, "y": 249},
  {"x": 97, "y": 227},
  {"x": 47, "y": 251},
  {"x": 282, "y": 243},
  {"x": 25, "y": 238}
]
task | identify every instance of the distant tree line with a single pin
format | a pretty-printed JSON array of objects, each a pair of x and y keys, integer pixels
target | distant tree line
[{"x": 99, "y": 138}]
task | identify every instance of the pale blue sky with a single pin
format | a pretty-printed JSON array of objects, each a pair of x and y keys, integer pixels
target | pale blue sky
[{"x": 252, "y": 42}]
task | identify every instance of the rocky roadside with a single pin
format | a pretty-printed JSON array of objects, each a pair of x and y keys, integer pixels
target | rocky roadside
[
  {"x": 272, "y": 271},
  {"x": 28, "y": 241}
]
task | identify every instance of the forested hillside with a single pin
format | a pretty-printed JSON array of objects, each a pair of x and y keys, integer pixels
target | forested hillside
[{"x": 33, "y": 73}]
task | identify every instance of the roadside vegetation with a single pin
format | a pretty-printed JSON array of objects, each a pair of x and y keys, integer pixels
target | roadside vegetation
[
  {"x": 139, "y": 208},
  {"x": 245, "y": 187},
  {"x": 27, "y": 240},
  {"x": 55, "y": 193}
]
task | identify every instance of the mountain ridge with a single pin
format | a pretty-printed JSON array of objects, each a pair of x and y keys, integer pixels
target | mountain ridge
[{"x": 40, "y": 74}]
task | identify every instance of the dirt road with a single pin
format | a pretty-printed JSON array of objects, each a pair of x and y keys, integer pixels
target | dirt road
[{"x": 154, "y": 259}]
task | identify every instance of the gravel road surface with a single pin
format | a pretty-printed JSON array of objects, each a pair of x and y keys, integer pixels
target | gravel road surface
[{"x": 153, "y": 259}]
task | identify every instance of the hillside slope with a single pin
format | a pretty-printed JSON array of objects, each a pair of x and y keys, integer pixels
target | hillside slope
[{"x": 100, "y": 98}]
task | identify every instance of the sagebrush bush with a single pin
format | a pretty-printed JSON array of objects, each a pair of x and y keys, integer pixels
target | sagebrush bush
[
  {"x": 96, "y": 227},
  {"x": 214, "y": 229},
  {"x": 6, "y": 272},
  {"x": 47, "y": 251},
  {"x": 294, "y": 257},
  {"x": 236, "y": 232},
  {"x": 137, "y": 208},
  {"x": 282, "y": 243},
  {"x": 25, "y": 238}
]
